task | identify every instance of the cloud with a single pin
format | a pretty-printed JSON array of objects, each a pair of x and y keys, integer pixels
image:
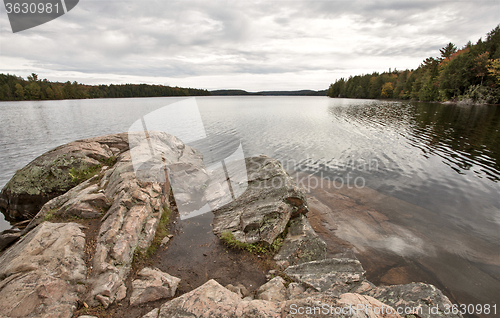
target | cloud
[{"x": 180, "y": 41}]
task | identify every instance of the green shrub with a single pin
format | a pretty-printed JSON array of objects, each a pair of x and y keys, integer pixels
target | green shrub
[{"x": 255, "y": 248}]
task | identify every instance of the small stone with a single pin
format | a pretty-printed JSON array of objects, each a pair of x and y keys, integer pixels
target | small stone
[
  {"x": 121, "y": 293},
  {"x": 105, "y": 301},
  {"x": 165, "y": 240}
]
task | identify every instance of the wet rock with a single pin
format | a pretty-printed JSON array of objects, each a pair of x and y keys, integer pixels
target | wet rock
[
  {"x": 49, "y": 176},
  {"x": 39, "y": 274},
  {"x": 152, "y": 285},
  {"x": 273, "y": 290},
  {"x": 262, "y": 212},
  {"x": 329, "y": 273},
  {"x": 301, "y": 244}
]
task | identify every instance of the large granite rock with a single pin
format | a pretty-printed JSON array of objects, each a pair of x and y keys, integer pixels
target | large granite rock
[
  {"x": 138, "y": 203},
  {"x": 127, "y": 204},
  {"x": 48, "y": 176},
  {"x": 262, "y": 212},
  {"x": 40, "y": 275}
]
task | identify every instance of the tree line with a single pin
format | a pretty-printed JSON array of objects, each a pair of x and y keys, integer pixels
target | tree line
[
  {"x": 471, "y": 73},
  {"x": 14, "y": 87}
]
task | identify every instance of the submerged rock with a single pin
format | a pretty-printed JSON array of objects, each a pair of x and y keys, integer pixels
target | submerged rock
[{"x": 262, "y": 212}]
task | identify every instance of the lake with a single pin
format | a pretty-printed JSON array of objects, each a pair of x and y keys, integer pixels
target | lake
[{"x": 442, "y": 158}]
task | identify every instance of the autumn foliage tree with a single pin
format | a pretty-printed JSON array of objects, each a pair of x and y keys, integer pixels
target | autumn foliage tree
[{"x": 469, "y": 73}]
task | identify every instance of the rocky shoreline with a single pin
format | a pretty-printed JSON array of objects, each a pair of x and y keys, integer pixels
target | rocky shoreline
[{"x": 83, "y": 238}]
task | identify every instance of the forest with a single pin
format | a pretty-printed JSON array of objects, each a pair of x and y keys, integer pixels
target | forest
[
  {"x": 17, "y": 88},
  {"x": 470, "y": 74}
]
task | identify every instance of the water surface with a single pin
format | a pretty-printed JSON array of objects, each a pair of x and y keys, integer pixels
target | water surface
[{"x": 442, "y": 158}]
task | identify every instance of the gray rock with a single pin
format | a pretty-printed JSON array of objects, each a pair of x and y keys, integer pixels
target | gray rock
[
  {"x": 8, "y": 237},
  {"x": 39, "y": 273},
  {"x": 262, "y": 212},
  {"x": 428, "y": 299},
  {"x": 301, "y": 244},
  {"x": 326, "y": 274},
  {"x": 152, "y": 285},
  {"x": 273, "y": 290},
  {"x": 49, "y": 176}
]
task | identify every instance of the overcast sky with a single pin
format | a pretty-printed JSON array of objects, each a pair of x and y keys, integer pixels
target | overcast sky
[{"x": 251, "y": 45}]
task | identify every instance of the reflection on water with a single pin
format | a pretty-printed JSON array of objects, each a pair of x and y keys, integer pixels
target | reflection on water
[
  {"x": 444, "y": 159},
  {"x": 466, "y": 137}
]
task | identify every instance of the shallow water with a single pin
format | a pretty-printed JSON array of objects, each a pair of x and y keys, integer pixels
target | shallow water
[{"x": 444, "y": 159}]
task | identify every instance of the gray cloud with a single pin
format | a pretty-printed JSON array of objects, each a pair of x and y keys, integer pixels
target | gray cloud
[{"x": 192, "y": 40}]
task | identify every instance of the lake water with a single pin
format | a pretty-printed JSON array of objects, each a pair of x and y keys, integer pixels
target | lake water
[{"x": 443, "y": 158}]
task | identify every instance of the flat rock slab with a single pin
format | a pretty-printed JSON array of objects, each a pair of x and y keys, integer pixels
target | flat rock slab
[
  {"x": 326, "y": 274},
  {"x": 39, "y": 274},
  {"x": 262, "y": 212},
  {"x": 152, "y": 285}
]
